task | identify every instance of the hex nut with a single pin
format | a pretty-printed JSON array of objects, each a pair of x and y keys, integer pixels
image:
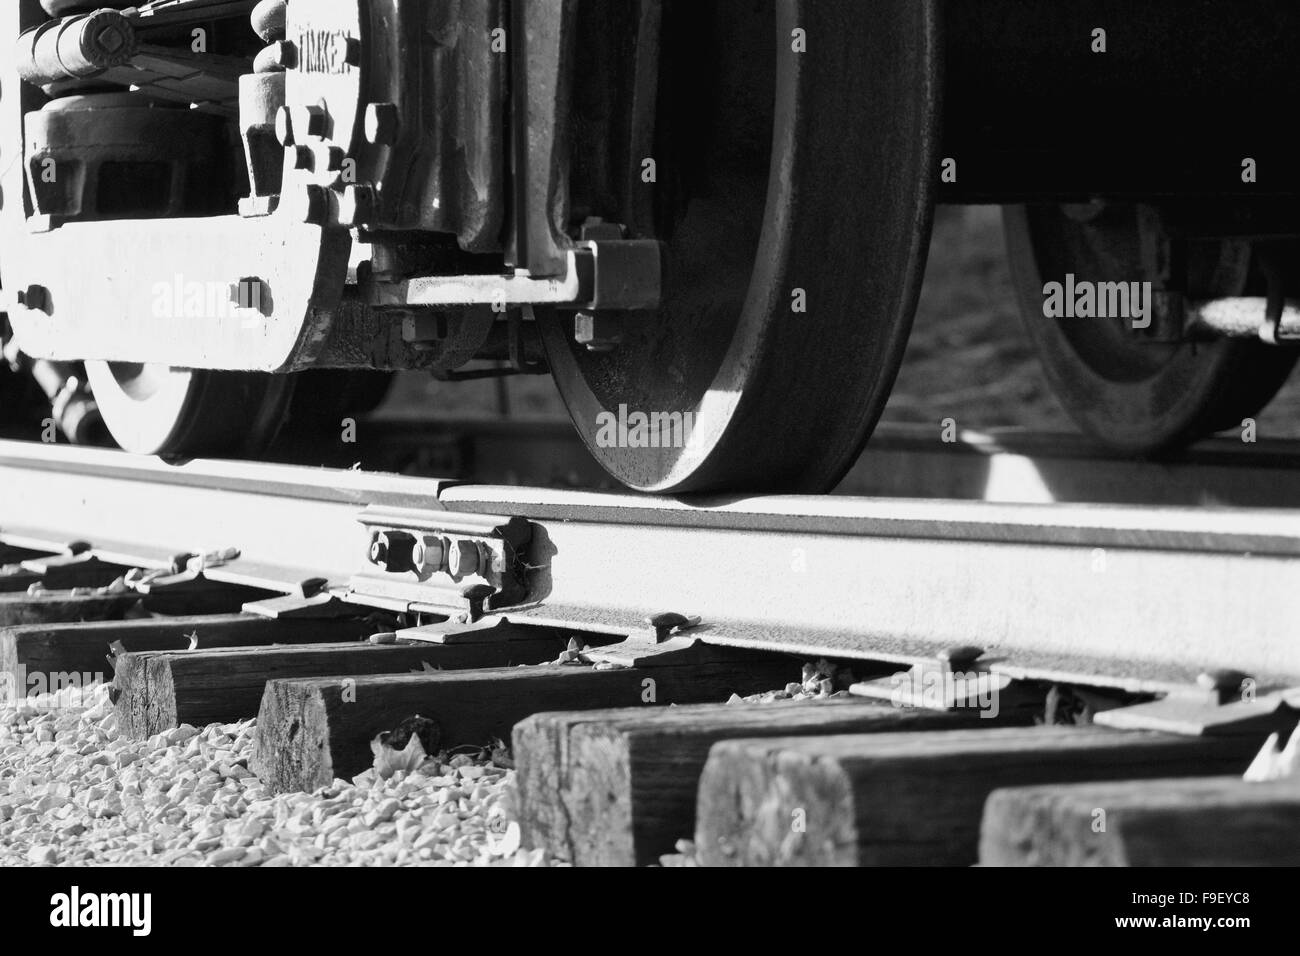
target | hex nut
[
  {"x": 429, "y": 555},
  {"x": 310, "y": 204},
  {"x": 308, "y": 122},
  {"x": 599, "y": 332},
  {"x": 284, "y": 126},
  {"x": 463, "y": 558},
  {"x": 356, "y": 205}
]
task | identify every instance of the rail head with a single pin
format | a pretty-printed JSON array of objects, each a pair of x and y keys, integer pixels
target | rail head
[{"x": 1160, "y": 592}]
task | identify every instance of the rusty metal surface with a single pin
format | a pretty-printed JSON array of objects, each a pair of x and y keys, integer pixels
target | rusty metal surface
[{"x": 1126, "y": 596}]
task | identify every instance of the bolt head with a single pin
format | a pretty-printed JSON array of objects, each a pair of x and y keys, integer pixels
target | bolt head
[
  {"x": 308, "y": 122},
  {"x": 346, "y": 50},
  {"x": 284, "y": 126},
  {"x": 357, "y": 205},
  {"x": 428, "y": 555},
  {"x": 963, "y": 655},
  {"x": 381, "y": 124},
  {"x": 596, "y": 228},
  {"x": 247, "y": 293},
  {"x": 310, "y": 204},
  {"x": 110, "y": 39},
  {"x": 668, "y": 619},
  {"x": 312, "y": 586},
  {"x": 304, "y": 157},
  {"x": 599, "y": 333},
  {"x": 463, "y": 558},
  {"x": 391, "y": 550},
  {"x": 665, "y": 623},
  {"x": 1224, "y": 681},
  {"x": 35, "y": 297},
  {"x": 284, "y": 53},
  {"x": 277, "y": 57}
]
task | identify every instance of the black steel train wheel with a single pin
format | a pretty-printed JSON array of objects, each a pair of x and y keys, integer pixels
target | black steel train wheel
[
  {"x": 322, "y": 398},
  {"x": 21, "y": 402},
  {"x": 1139, "y": 397},
  {"x": 189, "y": 413},
  {"x": 808, "y": 178}
]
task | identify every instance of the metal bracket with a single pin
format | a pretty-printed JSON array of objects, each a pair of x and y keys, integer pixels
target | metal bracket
[
  {"x": 468, "y": 627},
  {"x": 662, "y": 643},
  {"x": 1272, "y": 320},
  {"x": 1282, "y": 323},
  {"x": 443, "y": 560},
  {"x": 190, "y": 592},
  {"x": 76, "y": 567},
  {"x": 488, "y": 630},
  {"x": 954, "y": 680},
  {"x": 1224, "y": 703},
  {"x": 622, "y": 274},
  {"x": 313, "y": 602}
]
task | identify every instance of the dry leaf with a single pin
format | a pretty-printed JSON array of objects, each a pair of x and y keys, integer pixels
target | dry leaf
[
  {"x": 389, "y": 761},
  {"x": 508, "y": 845},
  {"x": 1273, "y": 764}
]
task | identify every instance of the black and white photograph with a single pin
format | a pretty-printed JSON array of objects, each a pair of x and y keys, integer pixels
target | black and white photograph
[{"x": 649, "y": 434}]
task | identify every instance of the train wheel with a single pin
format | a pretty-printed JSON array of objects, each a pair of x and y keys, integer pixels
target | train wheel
[
  {"x": 323, "y": 397},
  {"x": 188, "y": 413},
  {"x": 1133, "y": 394},
  {"x": 795, "y": 250},
  {"x": 19, "y": 398}
]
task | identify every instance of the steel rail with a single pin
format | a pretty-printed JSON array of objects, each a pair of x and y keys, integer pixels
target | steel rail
[
  {"x": 1136, "y": 597},
  {"x": 1006, "y": 465}
]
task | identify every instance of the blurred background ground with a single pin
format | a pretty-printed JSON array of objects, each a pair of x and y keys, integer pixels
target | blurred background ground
[{"x": 967, "y": 359}]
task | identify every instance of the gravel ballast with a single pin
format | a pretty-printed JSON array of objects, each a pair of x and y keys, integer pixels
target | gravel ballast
[{"x": 74, "y": 791}]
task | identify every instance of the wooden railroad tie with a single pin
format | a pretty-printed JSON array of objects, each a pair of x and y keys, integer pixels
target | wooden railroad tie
[
  {"x": 59, "y": 572},
  {"x": 159, "y": 690},
  {"x": 312, "y": 731},
  {"x": 52, "y": 607},
  {"x": 85, "y": 647},
  {"x": 912, "y": 799},
  {"x": 1207, "y": 821},
  {"x": 618, "y": 787},
  {"x": 11, "y": 554},
  {"x": 185, "y": 593}
]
